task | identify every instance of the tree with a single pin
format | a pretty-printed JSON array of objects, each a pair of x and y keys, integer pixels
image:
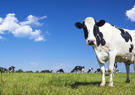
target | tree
[
  {"x": 19, "y": 71},
  {"x": 29, "y": 71},
  {"x": 46, "y": 71}
]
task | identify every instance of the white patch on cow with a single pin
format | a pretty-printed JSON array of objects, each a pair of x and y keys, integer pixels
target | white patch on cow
[{"x": 89, "y": 22}]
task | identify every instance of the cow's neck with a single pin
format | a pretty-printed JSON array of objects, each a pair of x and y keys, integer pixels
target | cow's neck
[{"x": 101, "y": 53}]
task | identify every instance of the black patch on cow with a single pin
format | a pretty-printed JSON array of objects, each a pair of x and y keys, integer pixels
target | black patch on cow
[
  {"x": 85, "y": 31},
  {"x": 99, "y": 36},
  {"x": 126, "y": 36},
  {"x": 112, "y": 25},
  {"x": 131, "y": 48},
  {"x": 79, "y": 25},
  {"x": 100, "y": 23}
]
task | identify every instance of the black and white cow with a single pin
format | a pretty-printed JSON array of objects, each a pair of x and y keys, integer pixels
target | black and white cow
[
  {"x": 115, "y": 68},
  {"x": 3, "y": 70},
  {"x": 78, "y": 69},
  {"x": 98, "y": 70},
  {"x": 60, "y": 71},
  {"x": 110, "y": 44},
  {"x": 90, "y": 70},
  {"x": 11, "y": 69}
]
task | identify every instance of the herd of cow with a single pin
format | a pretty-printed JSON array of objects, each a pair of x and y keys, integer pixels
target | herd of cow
[
  {"x": 80, "y": 69},
  {"x": 76, "y": 69},
  {"x": 110, "y": 43},
  {"x": 10, "y": 69}
]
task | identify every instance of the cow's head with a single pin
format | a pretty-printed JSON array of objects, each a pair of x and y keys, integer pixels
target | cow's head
[{"x": 88, "y": 26}]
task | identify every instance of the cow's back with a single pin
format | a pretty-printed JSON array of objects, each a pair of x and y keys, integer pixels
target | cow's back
[{"x": 116, "y": 42}]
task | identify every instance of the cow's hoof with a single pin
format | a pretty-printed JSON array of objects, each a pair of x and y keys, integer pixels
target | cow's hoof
[
  {"x": 110, "y": 85},
  {"x": 102, "y": 85},
  {"x": 127, "y": 81}
]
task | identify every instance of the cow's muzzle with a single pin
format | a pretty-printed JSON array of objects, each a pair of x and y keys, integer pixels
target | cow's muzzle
[{"x": 91, "y": 42}]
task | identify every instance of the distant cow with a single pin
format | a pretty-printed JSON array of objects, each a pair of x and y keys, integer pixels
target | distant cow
[
  {"x": 110, "y": 43},
  {"x": 60, "y": 71},
  {"x": 98, "y": 70},
  {"x": 78, "y": 69},
  {"x": 115, "y": 68},
  {"x": 3, "y": 70},
  {"x": 117, "y": 71},
  {"x": 90, "y": 70},
  {"x": 11, "y": 69}
]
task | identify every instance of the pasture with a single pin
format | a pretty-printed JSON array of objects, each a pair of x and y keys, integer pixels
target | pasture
[{"x": 63, "y": 84}]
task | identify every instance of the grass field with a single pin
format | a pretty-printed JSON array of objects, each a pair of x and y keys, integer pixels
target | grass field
[{"x": 63, "y": 84}]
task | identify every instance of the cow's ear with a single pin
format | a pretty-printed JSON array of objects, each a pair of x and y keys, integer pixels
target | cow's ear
[
  {"x": 79, "y": 25},
  {"x": 100, "y": 23}
]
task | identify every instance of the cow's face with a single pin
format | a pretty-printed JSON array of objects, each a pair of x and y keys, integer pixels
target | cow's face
[
  {"x": 91, "y": 31},
  {"x": 87, "y": 26}
]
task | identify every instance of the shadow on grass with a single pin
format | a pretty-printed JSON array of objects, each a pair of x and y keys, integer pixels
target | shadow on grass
[{"x": 76, "y": 84}]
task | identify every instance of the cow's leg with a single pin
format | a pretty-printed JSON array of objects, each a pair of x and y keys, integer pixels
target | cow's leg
[
  {"x": 127, "y": 70},
  {"x": 103, "y": 74},
  {"x": 111, "y": 66}
]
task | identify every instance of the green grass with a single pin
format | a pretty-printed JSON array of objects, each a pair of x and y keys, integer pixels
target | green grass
[{"x": 63, "y": 84}]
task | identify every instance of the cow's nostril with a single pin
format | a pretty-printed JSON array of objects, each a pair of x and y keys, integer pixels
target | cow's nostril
[{"x": 90, "y": 42}]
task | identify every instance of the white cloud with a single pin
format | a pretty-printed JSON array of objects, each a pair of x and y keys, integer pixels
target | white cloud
[
  {"x": 32, "y": 20},
  {"x": 1, "y": 20},
  {"x": 131, "y": 14},
  {"x": 12, "y": 25}
]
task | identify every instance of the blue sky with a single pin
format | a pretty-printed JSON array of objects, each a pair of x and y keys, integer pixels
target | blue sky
[{"x": 62, "y": 45}]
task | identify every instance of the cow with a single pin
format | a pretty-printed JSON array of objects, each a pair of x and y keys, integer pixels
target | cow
[
  {"x": 60, "y": 71},
  {"x": 98, "y": 70},
  {"x": 90, "y": 70},
  {"x": 3, "y": 70},
  {"x": 11, "y": 69},
  {"x": 110, "y": 43},
  {"x": 115, "y": 69},
  {"x": 78, "y": 69}
]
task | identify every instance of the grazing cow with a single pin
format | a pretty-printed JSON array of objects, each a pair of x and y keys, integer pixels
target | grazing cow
[
  {"x": 3, "y": 70},
  {"x": 60, "y": 71},
  {"x": 115, "y": 68},
  {"x": 78, "y": 69},
  {"x": 98, "y": 70},
  {"x": 90, "y": 70},
  {"x": 117, "y": 71},
  {"x": 110, "y": 44},
  {"x": 11, "y": 69}
]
